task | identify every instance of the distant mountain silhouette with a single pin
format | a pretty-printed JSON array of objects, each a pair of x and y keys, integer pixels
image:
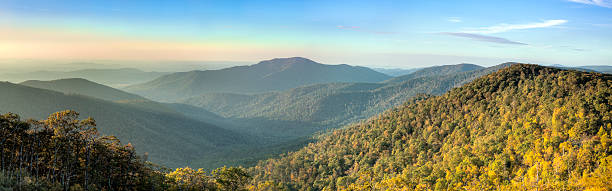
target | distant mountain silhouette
[
  {"x": 396, "y": 71},
  {"x": 269, "y": 75},
  {"x": 110, "y": 77},
  {"x": 437, "y": 71},
  {"x": 601, "y": 68},
  {"x": 83, "y": 87}
]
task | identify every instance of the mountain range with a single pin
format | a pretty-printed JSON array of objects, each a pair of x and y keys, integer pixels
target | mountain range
[
  {"x": 332, "y": 105},
  {"x": 111, "y": 77},
  {"x": 83, "y": 87},
  {"x": 270, "y": 75},
  {"x": 394, "y": 72},
  {"x": 242, "y": 127}
]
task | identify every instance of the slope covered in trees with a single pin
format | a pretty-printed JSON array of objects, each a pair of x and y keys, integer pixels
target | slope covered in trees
[
  {"x": 83, "y": 87},
  {"x": 269, "y": 75},
  {"x": 63, "y": 152},
  {"x": 324, "y": 106},
  {"x": 170, "y": 138},
  {"x": 525, "y": 127}
]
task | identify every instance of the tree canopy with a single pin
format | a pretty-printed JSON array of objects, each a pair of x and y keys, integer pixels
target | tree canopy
[{"x": 525, "y": 127}]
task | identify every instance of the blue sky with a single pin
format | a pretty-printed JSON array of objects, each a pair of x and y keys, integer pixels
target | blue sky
[{"x": 371, "y": 33}]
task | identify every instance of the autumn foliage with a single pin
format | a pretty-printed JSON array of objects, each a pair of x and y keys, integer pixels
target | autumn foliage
[{"x": 525, "y": 127}]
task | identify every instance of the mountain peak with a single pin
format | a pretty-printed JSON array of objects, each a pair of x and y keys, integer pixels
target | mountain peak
[
  {"x": 268, "y": 75},
  {"x": 288, "y": 61}
]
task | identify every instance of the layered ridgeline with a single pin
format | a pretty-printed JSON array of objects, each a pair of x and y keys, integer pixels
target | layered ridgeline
[
  {"x": 323, "y": 106},
  {"x": 396, "y": 71},
  {"x": 524, "y": 127},
  {"x": 110, "y": 77},
  {"x": 169, "y": 137},
  {"x": 83, "y": 87},
  {"x": 602, "y": 68},
  {"x": 269, "y": 75}
]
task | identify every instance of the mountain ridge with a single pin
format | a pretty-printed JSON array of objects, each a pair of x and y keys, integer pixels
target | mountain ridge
[
  {"x": 269, "y": 75},
  {"x": 156, "y": 132},
  {"x": 83, "y": 87},
  {"x": 110, "y": 77}
]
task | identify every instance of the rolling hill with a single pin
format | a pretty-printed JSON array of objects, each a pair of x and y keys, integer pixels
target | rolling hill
[
  {"x": 169, "y": 138},
  {"x": 83, "y": 87},
  {"x": 525, "y": 127},
  {"x": 270, "y": 75}
]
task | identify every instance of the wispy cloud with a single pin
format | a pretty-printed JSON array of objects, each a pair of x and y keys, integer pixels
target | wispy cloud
[
  {"x": 454, "y": 19},
  {"x": 484, "y": 38},
  {"x": 360, "y": 29},
  {"x": 601, "y": 3},
  {"x": 602, "y": 25},
  {"x": 508, "y": 27}
]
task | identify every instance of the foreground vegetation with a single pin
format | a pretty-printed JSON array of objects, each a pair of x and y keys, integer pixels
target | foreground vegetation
[{"x": 65, "y": 153}]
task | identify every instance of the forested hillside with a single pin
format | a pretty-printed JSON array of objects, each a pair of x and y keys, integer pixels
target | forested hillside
[
  {"x": 170, "y": 138},
  {"x": 83, "y": 87},
  {"x": 526, "y": 127},
  {"x": 269, "y": 75},
  {"x": 323, "y": 106},
  {"x": 63, "y": 152}
]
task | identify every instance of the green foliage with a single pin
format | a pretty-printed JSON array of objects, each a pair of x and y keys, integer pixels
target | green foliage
[
  {"x": 170, "y": 138},
  {"x": 231, "y": 178},
  {"x": 525, "y": 127},
  {"x": 330, "y": 106},
  {"x": 67, "y": 151},
  {"x": 283, "y": 120},
  {"x": 224, "y": 179}
]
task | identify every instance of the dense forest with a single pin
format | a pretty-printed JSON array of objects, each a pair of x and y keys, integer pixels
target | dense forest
[
  {"x": 245, "y": 132},
  {"x": 333, "y": 105},
  {"x": 525, "y": 127},
  {"x": 65, "y": 153}
]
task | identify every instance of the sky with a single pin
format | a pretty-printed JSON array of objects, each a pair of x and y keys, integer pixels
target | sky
[{"x": 387, "y": 34}]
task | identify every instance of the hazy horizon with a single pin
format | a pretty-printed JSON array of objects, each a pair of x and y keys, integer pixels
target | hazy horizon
[{"x": 386, "y": 34}]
